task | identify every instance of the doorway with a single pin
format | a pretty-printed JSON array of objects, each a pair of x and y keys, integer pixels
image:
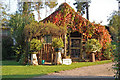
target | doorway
[{"x": 75, "y": 45}]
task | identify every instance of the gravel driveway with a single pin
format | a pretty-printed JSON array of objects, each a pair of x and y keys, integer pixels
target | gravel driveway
[{"x": 96, "y": 71}]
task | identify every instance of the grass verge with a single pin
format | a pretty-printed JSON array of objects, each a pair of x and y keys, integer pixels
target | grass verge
[{"x": 11, "y": 69}]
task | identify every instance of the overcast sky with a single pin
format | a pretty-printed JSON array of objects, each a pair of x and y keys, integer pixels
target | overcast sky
[{"x": 99, "y": 10}]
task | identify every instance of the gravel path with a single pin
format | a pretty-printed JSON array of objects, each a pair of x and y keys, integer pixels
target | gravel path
[{"x": 96, "y": 71}]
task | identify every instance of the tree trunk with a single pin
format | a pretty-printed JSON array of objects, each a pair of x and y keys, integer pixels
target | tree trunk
[
  {"x": 87, "y": 11},
  {"x": 39, "y": 57},
  {"x": 38, "y": 15}
]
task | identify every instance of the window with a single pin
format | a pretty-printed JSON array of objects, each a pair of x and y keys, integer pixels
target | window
[{"x": 48, "y": 39}]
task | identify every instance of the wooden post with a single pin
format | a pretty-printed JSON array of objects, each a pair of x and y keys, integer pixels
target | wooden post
[
  {"x": 65, "y": 45},
  {"x": 81, "y": 48},
  {"x": 52, "y": 55},
  {"x": 93, "y": 57},
  {"x": 56, "y": 57},
  {"x": 41, "y": 56},
  {"x": 69, "y": 45},
  {"x": 52, "y": 58}
]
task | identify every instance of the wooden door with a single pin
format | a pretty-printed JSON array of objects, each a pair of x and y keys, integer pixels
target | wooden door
[{"x": 75, "y": 47}]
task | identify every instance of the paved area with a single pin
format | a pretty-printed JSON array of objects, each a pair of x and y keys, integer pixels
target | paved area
[{"x": 96, "y": 71}]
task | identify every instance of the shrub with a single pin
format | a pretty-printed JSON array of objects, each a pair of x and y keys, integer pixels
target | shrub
[
  {"x": 116, "y": 61},
  {"x": 18, "y": 51},
  {"x": 23, "y": 58},
  {"x": 108, "y": 52}
]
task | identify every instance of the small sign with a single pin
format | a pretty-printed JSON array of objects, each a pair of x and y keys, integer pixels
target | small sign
[{"x": 67, "y": 61}]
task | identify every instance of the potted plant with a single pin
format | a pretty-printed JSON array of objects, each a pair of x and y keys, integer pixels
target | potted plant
[
  {"x": 57, "y": 43},
  {"x": 93, "y": 46},
  {"x": 35, "y": 47}
]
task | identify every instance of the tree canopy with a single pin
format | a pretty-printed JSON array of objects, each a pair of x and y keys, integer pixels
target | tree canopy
[
  {"x": 114, "y": 23},
  {"x": 35, "y": 29}
]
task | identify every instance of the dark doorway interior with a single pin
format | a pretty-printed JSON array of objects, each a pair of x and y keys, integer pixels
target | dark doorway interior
[{"x": 75, "y": 45}]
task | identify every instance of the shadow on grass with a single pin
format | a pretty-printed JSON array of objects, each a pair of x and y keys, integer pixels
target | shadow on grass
[
  {"x": 19, "y": 77},
  {"x": 23, "y": 77},
  {"x": 14, "y": 63},
  {"x": 11, "y": 62},
  {"x": 54, "y": 77},
  {"x": 58, "y": 77}
]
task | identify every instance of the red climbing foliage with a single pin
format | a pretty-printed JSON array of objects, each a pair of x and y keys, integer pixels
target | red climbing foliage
[{"x": 67, "y": 17}]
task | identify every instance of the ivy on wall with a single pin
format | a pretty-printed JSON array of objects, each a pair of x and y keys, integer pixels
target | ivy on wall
[{"x": 66, "y": 16}]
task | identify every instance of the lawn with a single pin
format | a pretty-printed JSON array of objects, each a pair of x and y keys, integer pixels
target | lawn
[{"x": 11, "y": 69}]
